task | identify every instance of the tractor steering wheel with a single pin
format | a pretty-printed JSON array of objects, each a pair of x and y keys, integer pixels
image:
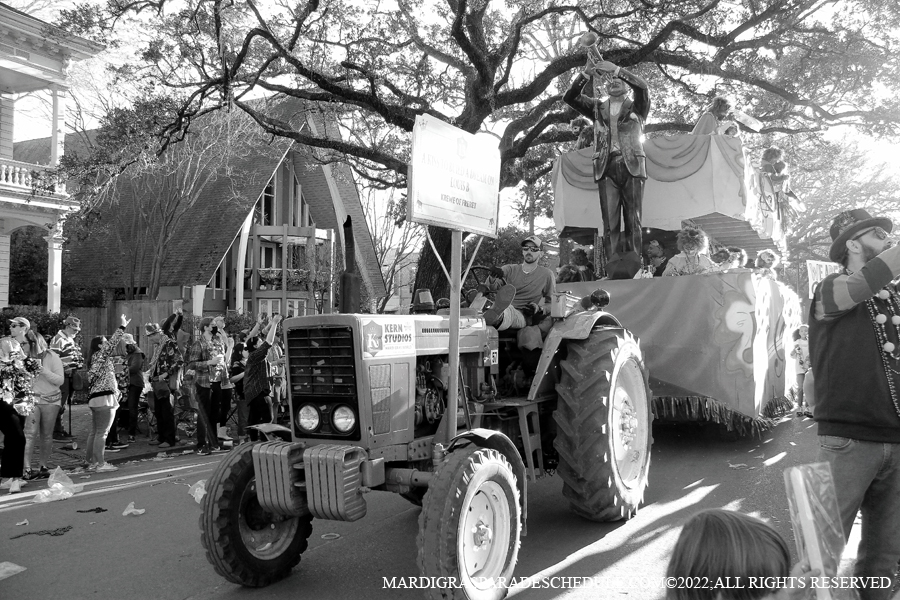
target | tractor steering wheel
[{"x": 477, "y": 276}]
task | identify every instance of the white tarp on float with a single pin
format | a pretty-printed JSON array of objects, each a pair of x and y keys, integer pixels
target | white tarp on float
[{"x": 690, "y": 176}]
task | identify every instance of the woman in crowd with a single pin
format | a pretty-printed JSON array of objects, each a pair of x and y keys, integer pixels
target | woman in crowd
[
  {"x": 721, "y": 543},
  {"x": 47, "y": 402},
  {"x": 12, "y": 459},
  {"x": 102, "y": 396},
  {"x": 693, "y": 245}
]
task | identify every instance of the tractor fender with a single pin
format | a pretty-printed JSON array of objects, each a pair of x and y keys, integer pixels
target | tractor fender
[
  {"x": 495, "y": 440},
  {"x": 574, "y": 327}
]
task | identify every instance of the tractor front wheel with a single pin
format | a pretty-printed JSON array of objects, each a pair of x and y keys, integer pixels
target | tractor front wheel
[
  {"x": 603, "y": 423},
  {"x": 247, "y": 544},
  {"x": 470, "y": 526}
]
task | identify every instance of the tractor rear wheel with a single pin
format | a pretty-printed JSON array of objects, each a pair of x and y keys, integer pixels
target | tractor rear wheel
[
  {"x": 470, "y": 526},
  {"x": 245, "y": 543},
  {"x": 603, "y": 423}
]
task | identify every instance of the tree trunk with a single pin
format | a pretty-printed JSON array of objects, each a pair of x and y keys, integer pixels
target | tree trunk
[{"x": 429, "y": 274}]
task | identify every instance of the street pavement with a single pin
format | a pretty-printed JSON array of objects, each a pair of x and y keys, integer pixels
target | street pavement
[
  {"x": 158, "y": 554},
  {"x": 68, "y": 458}
]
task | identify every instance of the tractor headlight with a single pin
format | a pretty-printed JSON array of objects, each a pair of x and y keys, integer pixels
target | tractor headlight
[
  {"x": 308, "y": 418},
  {"x": 343, "y": 418}
]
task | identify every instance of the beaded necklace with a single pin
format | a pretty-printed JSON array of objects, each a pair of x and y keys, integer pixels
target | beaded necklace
[{"x": 890, "y": 355}]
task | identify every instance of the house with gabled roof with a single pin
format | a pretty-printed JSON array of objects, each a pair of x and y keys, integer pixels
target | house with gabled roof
[{"x": 264, "y": 235}]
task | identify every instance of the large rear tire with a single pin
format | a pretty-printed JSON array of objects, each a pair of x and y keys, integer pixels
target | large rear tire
[
  {"x": 603, "y": 425},
  {"x": 246, "y": 544},
  {"x": 470, "y": 526}
]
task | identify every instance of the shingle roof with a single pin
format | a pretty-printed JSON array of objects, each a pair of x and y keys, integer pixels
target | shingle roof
[{"x": 210, "y": 226}]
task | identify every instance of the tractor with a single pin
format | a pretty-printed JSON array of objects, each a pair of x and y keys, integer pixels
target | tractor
[{"x": 370, "y": 412}]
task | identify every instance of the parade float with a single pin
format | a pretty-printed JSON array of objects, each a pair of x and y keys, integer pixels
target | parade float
[{"x": 716, "y": 345}]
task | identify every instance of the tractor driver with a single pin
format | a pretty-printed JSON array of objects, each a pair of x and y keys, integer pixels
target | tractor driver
[{"x": 528, "y": 290}]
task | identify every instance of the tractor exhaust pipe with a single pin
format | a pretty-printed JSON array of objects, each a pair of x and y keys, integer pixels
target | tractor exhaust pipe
[{"x": 350, "y": 296}]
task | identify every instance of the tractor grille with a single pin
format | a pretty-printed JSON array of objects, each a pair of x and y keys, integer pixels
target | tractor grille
[
  {"x": 321, "y": 361},
  {"x": 322, "y": 373}
]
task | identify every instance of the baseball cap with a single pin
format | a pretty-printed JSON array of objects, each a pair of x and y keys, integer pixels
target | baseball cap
[
  {"x": 21, "y": 321},
  {"x": 534, "y": 240},
  {"x": 128, "y": 339},
  {"x": 152, "y": 328},
  {"x": 72, "y": 321}
]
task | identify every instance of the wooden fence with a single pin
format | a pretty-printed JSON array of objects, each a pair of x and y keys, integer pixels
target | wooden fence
[{"x": 104, "y": 321}]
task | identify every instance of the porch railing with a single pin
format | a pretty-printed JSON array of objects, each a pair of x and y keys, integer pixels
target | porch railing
[{"x": 28, "y": 177}]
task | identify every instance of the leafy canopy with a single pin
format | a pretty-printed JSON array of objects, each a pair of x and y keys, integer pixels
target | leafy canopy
[{"x": 502, "y": 67}]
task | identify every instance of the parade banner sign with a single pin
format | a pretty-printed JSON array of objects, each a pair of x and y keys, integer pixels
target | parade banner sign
[
  {"x": 818, "y": 270},
  {"x": 455, "y": 178}
]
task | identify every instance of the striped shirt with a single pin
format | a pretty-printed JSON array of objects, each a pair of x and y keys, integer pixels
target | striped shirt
[
  {"x": 68, "y": 350},
  {"x": 839, "y": 293}
]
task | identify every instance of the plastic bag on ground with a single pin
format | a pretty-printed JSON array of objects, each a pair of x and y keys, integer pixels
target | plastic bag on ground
[
  {"x": 198, "y": 490},
  {"x": 59, "y": 487},
  {"x": 131, "y": 510}
]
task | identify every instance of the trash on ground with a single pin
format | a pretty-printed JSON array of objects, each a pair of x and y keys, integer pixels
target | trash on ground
[
  {"x": 131, "y": 510},
  {"x": 739, "y": 466},
  {"x": 198, "y": 490},
  {"x": 93, "y": 510},
  {"x": 25, "y": 522},
  {"x": 59, "y": 487},
  {"x": 54, "y": 532},
  {"x": 330, "y": 536},
  {"x": 8, "y": 569}
]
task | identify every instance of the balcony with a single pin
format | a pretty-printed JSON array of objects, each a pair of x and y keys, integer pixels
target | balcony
[
  {"x": 297, "y": 279},
  {"x": 28, "y": 178}
]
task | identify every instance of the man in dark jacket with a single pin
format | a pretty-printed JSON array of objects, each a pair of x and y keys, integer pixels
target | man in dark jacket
[
  {"x": 854, "y": 344},
  {"x": 619, "y": 159}
]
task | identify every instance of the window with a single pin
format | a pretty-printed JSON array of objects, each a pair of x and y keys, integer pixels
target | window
[
  {"x": 268, "y": 306},
  {"x": 296, "y": 205},
  {"x": 218, "y": 281},
  {"x": 248, "y": 307},
  {"x": 269, "y": 257},
  {"x": 264, "y": 213},
  {"x": 296, "y": 308}
]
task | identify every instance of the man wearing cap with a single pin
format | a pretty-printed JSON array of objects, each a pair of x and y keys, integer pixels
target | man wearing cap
[
  {"x": 69, "y": 351},
  {"x": 164, "y": 374},
  {"x": 528, "y": 290},
  {"x": 854, "y": 345}
]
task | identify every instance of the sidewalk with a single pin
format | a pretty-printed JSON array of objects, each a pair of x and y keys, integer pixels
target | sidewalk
[{"x": 67, "y": 458}]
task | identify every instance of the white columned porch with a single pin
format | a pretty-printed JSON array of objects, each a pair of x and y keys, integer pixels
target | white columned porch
[
  {"x": 54, "y": 270},
  {"x": 58, "y": 125}
]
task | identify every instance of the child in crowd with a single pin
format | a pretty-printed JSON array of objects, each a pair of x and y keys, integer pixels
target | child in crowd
[
  {"x": 800, "y": 354},
  {"x": 721, "y": 543}
]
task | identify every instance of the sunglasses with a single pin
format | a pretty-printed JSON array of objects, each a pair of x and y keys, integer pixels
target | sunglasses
[
  {"x": 880, "y": 233},
  {"x": 11, "y": 325},
  {"x": 530, "y": 249}
]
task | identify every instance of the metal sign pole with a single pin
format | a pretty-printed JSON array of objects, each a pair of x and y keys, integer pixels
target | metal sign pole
[{"x": 455, "y": 285}]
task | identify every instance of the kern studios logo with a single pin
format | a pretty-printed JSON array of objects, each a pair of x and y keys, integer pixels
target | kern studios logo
[{"x": 373, "y": 337}]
